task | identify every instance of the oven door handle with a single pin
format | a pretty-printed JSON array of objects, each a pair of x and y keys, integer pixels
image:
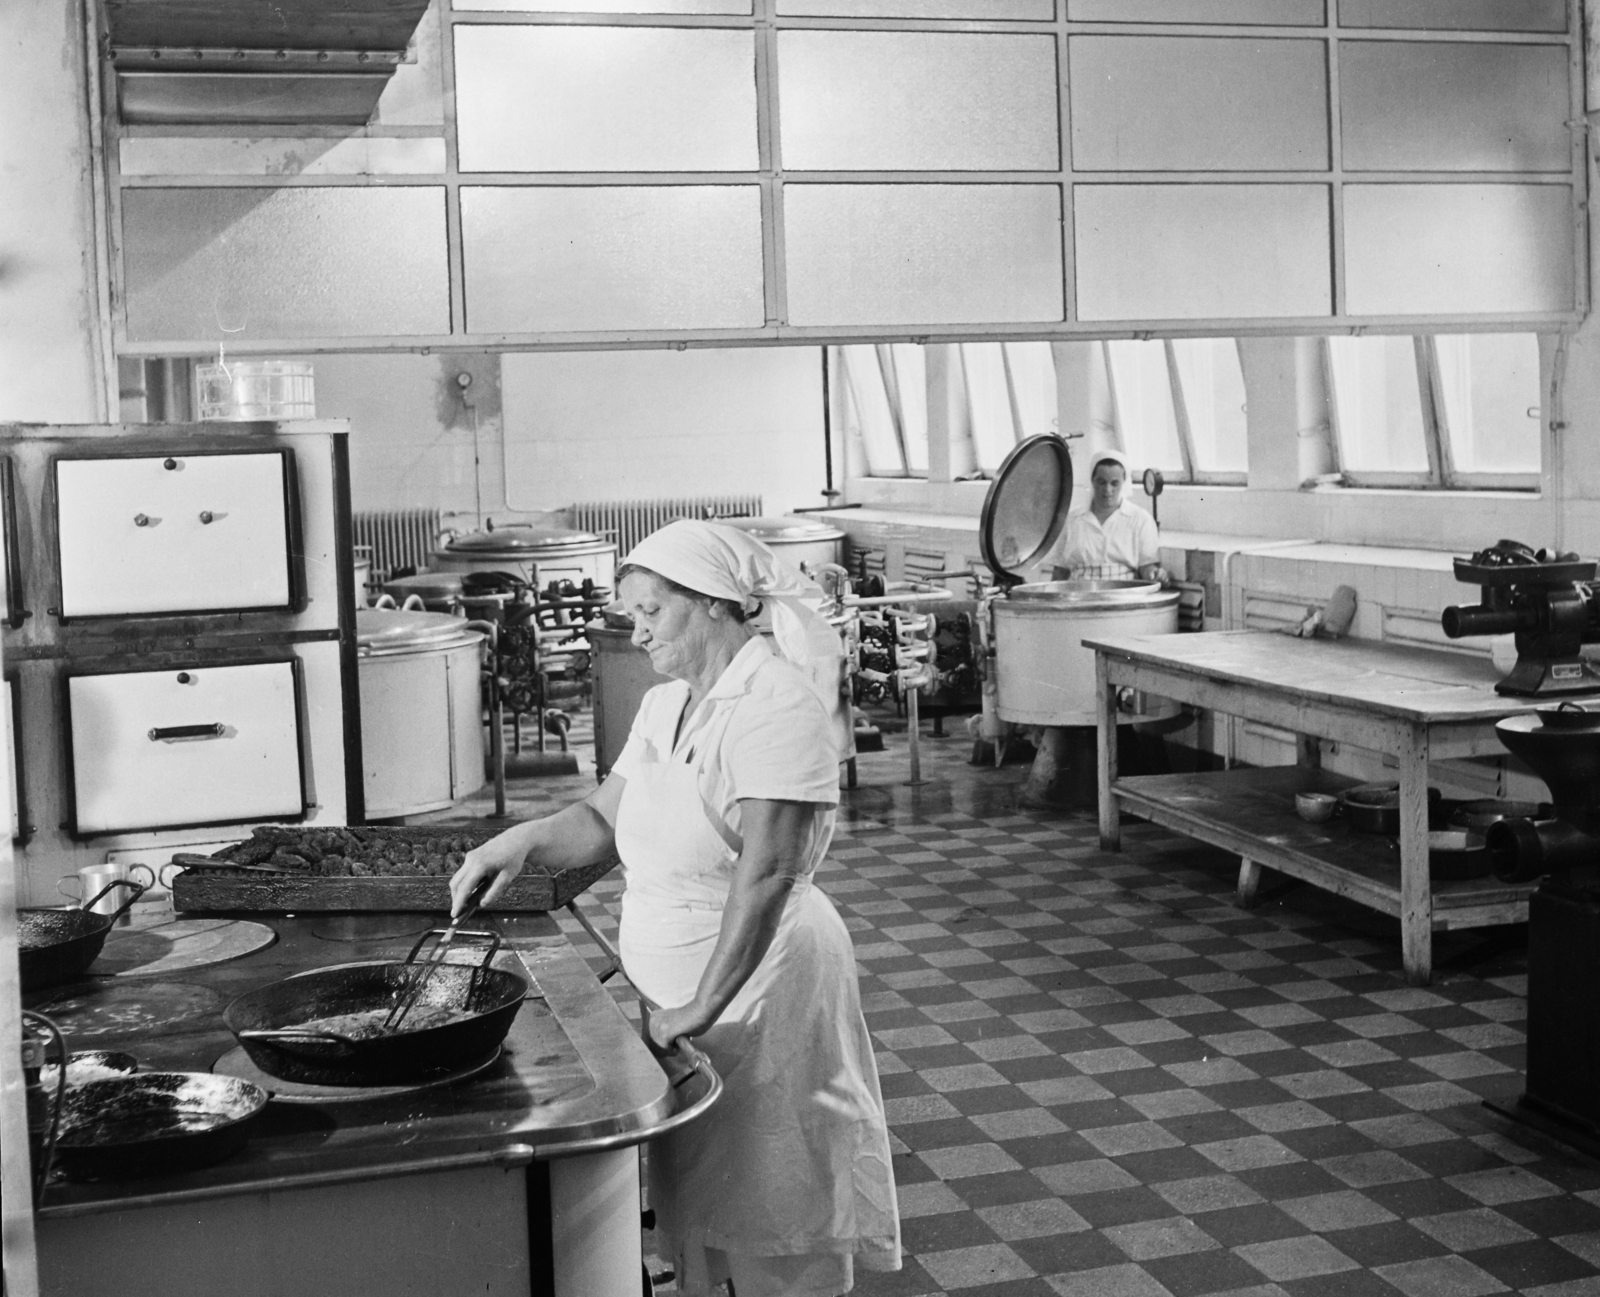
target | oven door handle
[{"x": 169, "y": 733}]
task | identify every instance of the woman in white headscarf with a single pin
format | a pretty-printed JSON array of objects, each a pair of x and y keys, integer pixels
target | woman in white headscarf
[{"x": 721, "y": 806}]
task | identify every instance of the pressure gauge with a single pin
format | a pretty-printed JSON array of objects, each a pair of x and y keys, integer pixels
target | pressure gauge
[{"x": 1153, "y": 482}]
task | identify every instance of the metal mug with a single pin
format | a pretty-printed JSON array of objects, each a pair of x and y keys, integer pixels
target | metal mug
[{"x": 95, "y": 878}]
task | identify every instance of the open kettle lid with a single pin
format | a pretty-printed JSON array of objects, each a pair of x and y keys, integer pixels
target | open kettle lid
[{"x": 1026, "y": 507}]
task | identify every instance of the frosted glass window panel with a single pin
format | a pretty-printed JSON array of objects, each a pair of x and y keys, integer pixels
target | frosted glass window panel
[
  {"x": 1448, "y": 106},
  {"x": 1490, "y": 394},
  {"x": 605, "y": 6},
  {"x": 614, "y": 258},
  {"x": 1274, "y": 13},
  {"x": 994, "y": 431},
  {"x": 1457, "y": 15},
  {"x": 1377, "y": 405},
  {"x": 239, "y": 264},
  {"x": 1458, "y": 249},
  {"x": 917, "y": 101},
  {"x": 585, "y": 98},
  {"x": 1031, "y": 378},
  {"x": 985, "y": 10},
  {"x": 870, "y": 414},
  {"x": 1182, "y": 103},
  {"x": 1211, "y": 382},
  {"x": 923, "y": 254},
  {"x": 905, "y": 375},
  {"x": 1153, "y": 252},
  {"x": 1141, "y": 385}
]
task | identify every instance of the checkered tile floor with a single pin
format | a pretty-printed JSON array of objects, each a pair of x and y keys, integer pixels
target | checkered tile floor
[{"x": 1105, "y": 1080}]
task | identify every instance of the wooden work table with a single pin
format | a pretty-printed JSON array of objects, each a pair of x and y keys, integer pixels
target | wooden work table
[{"x": 1417, "y": 705}]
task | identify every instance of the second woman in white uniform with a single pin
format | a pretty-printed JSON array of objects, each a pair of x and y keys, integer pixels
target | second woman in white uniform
[{"x": 1111, "y": 540}]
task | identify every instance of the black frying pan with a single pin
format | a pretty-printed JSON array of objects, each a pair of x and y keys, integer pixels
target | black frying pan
[
  {"x": 462, "y": 1014},
  {"x": 154, "y": 1123},
  {"x": 56, "y": 946}
]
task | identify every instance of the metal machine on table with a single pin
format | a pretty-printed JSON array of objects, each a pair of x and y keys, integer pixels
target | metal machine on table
[{"x": 1548, "y": 601}]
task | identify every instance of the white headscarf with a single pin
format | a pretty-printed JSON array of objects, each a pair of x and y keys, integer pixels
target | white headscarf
[{"x": 727, "y": 563}]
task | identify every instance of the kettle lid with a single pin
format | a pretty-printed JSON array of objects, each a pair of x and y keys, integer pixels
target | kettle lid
[{"x": 1026, "y": 507}]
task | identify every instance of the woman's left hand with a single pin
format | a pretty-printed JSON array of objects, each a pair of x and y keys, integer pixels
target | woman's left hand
[{"x": 666, "y": 1025}]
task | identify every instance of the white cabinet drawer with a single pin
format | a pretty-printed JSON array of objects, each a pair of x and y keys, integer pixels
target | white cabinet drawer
[
  {"x": 174, "y": 533},
  {"x": 203, "y": 745}
]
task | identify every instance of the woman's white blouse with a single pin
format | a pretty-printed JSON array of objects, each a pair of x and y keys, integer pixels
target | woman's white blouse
[{"x": 1114, "y": 549}]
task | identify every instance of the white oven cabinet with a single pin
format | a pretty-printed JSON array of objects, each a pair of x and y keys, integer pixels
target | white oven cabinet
[
  {"x": 170, "y": 748},
  {"x": 175, "y": 533},
  {"x": 241, "y": 566}
]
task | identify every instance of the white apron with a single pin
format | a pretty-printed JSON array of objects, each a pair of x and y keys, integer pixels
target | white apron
[{"x": 789, "y": 1174}]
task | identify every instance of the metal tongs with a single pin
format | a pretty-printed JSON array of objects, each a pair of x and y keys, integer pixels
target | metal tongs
[{"x": 419, "y": 980}]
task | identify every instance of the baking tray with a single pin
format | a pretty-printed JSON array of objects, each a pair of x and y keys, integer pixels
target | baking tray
[{"x": 230, "y": 887}]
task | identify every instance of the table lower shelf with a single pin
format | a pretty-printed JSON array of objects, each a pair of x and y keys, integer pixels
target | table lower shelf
[{"x": 1251, "y": 812}]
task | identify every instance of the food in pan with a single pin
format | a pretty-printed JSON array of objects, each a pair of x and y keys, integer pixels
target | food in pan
[{"x": 367, "y": 1024}]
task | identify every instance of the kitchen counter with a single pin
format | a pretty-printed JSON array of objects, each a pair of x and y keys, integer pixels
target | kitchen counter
[{"x": 573, "y": 1068}]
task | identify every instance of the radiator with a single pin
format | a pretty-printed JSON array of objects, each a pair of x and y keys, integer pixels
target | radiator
[
  {"x": 398, "y": 538},
  {"x": 630, "y": 521}
]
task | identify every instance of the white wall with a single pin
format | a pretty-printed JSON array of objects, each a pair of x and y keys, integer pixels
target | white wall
[
  {"x": 51, "y": 363},
  {"x": 628, "y": 425}
]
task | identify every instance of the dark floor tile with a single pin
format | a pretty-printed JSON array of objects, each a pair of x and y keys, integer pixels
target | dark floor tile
[
  {"x": 1347, "y": 1283},
  {"x": 1069, "y": 1253},
  {"x": 947, "y": 1230},
  {"x": 1426, "y": 1197},
  {"x": 1291, "y": 1180},
  {"x": 948, "y": 1133},
  {"x": 1199, "y": 1273},
  {"x": 1051, "y": 1150},
  {"x": 1554, "y": 1217},
  {"x": 898, "y": 1085},
  {"x": 1000, "y": 1189},
  {"x": 1254, "y": 1223},
  {"x": 1164, "y": 1164},
  {"x": 1121, "y": 1206},
  {"x": 1209, "y": 1127},
  {"x": 1521, "y": 1266},
  {"x": 1314, "y": 1142},
  {"x": 1386, "y": 1244}
]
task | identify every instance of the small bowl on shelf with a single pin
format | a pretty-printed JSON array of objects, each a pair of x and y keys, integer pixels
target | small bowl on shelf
[{"x": 1315, "y": 808}]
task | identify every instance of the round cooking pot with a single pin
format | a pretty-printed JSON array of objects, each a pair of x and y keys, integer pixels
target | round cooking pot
[
  {"x": 537, "y": 554},
  {"x": 1375, "y": 808},
  {"x": 55, "y": 946},
  {"x": 1043, "y": 674},
  {"x": 270, "y": 1022},
  {"x": 421, "y": 727},
  {"x": 154, "y": 1123},
  {"x": 798, "y": 540}
]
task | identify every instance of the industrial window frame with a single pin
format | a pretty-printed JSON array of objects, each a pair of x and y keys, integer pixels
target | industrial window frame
[
  {"x": 766, "y": 22},
  {"x": 1442, "y": 472},
  {"x": 1190, "y": 471}
]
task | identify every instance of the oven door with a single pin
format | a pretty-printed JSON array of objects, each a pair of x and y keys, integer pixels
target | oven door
[
  {"x": 179, "y": 533},
  {"x": 200, "y": 745}
]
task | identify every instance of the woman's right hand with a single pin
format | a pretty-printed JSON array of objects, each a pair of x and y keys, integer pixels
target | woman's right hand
[{"x": 501, "y": 857}]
